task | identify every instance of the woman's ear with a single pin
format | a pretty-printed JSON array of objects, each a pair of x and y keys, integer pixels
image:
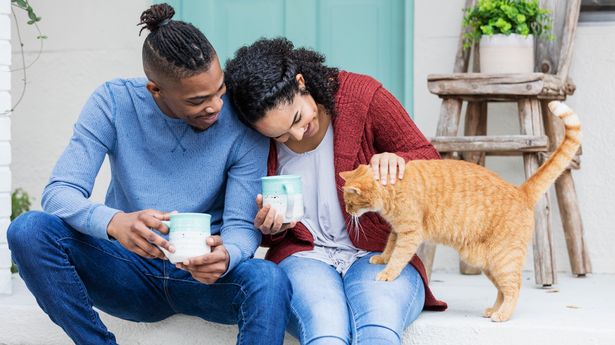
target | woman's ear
[{"x": 300, "y": 81}]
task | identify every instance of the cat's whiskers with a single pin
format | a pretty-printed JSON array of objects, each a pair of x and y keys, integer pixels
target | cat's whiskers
[
  {"x": 348, "y": 223},
  {"x": 360, "y": 228},
  {"x": 357, "y": 227},
  {"x": 351, "y": 226},
  {"x": 354, "y": 226}
]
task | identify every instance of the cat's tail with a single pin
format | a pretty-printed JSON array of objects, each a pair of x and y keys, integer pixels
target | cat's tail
[{"x": 538, "y": 183}]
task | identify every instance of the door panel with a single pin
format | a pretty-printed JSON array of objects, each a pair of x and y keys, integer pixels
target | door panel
[{"x": 372, "y": 37}]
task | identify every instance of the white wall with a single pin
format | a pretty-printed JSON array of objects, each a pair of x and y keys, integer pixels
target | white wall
[
  {"x": 5, "y": 144},
  {"x": 92, "y": 41},
  {"x": 437, "y": 27},
  {"x": 89, "y": 42}
]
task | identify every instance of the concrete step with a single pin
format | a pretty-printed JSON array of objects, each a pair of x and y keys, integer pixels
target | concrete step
[{"x": 577, "y": 311}]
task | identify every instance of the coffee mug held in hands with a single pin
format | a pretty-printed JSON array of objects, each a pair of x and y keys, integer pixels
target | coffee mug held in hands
[
  {"x": 188, "y": 233},
  {"x": 284, "y": 194}
]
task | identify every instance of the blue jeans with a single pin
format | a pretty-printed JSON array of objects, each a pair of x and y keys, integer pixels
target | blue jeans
[
  {"x": 355, "y": 309},
  {"x": 69, "y": 272}
]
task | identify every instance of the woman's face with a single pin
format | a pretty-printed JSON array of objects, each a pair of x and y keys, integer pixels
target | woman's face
[{"x": 293, "y": 121}]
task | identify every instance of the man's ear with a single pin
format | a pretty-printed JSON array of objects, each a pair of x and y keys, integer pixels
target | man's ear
[{"x": 153, "y": 88}]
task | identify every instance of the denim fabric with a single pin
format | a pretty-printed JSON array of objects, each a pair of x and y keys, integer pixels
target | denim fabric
[
  {"x": 69, "y": 272},
  {"x": 354, "y": 309}
]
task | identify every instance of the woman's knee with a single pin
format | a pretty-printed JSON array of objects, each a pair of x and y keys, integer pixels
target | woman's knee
[
  {"x": 320, "y": 322},
  {"x": 375, "y": 334}
]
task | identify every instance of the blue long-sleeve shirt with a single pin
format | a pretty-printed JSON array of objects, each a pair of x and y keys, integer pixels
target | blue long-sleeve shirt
[{"x": 160, "y": 163}]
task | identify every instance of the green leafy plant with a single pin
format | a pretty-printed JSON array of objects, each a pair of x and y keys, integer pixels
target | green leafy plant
[
  {"x": 490, "y": 17},
  {"x": 24, "y": 5},
  {"x": 33, "y": 20},
  {"x": 20, "y": 203}
]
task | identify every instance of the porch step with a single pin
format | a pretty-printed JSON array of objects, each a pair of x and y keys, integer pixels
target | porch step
[{"x": 577, "y": 311}]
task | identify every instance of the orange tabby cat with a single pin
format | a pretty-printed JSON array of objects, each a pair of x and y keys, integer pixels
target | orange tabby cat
[{"x": 465, "y": 206}]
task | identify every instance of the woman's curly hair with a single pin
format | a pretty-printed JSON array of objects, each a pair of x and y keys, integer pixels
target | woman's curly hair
[{"x": 262, "y": 75}]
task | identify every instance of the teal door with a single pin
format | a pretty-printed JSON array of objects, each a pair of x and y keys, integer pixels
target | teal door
[{"x": 372, "y": 37}]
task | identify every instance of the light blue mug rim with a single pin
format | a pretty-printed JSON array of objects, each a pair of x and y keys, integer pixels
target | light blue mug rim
[
  {"x": 281, "y": 184},
  {"x": 192, "y": 214},
  {"x": 280, "y": 177},
  {"x": 178, "y": 217}
]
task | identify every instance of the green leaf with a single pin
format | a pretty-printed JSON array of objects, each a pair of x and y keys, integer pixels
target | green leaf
[
  {"x": 520, "y": 19},
  {"x": 490, "y": 17},
  {"x": 523, "y": 29},
  {"x": 20, "y": 202},
  {"x": 21, "y": 3}
]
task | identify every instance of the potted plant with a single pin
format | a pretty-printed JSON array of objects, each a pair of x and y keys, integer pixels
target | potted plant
[
  {"x": 505, "y": 30},
  {"x": 20, "y": 203}
]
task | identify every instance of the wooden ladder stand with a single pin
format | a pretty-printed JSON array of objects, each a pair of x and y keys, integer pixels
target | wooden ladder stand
[{"x": 532, "y": 92}]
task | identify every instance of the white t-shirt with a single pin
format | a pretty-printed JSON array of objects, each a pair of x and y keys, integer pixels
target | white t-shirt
[{"x": 322, "y": 215}]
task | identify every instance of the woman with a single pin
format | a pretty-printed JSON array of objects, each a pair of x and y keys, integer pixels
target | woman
[{"x": 324, "y": 121}]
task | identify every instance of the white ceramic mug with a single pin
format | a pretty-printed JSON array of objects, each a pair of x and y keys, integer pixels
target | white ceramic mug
[
  {"x": 188, "y": 233},
  {"x": 284, "y": 194}
]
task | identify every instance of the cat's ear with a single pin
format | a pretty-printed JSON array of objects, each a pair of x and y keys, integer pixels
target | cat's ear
[
  {"x": 363, "y": 168},
  {"x": 353, "y": 190},
  {"x": 345, "y": 175}
]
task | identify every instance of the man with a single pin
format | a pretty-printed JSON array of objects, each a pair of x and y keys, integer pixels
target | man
[{"x": 172, "y": 145}]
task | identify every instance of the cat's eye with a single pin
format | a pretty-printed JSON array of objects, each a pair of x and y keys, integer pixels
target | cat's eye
[{"x": 352, "y": 190}]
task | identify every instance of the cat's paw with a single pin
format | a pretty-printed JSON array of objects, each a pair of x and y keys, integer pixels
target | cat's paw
[
  {"x": 488, "y": 312},
  {"x": 387, "y": 275},
  {"x": 378, "y": 260},
  {"x": 500, "y": 316}
]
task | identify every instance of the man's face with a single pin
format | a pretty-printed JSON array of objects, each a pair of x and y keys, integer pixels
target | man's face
[{"x": 197, "y": 100}]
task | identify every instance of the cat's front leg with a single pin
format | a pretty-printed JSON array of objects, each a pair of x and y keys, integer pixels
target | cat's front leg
[
  {"x": 403, "y": 251},
  {"x": 386, "y": 254}
]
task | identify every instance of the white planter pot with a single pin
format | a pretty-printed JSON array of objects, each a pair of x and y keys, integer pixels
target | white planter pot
[{"x": 507, "y": 54}]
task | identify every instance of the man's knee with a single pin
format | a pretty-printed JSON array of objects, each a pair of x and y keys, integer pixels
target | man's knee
[
  {"x": 27, "y": 229},
  {"x": 266, "y": 276}
]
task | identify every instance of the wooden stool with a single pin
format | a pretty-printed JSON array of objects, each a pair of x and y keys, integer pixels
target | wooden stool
[{"x": 540, "y": 133}]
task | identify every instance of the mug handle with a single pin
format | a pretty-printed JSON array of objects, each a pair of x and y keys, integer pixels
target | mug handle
[
  {"x": 167, "y": 223},
  {"x": 290, "y": 189}
]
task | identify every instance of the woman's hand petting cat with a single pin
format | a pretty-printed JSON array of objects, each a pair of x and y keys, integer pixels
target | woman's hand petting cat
[
  {"x": 388, "y": 166},
  {"x": 268, "y": 221}
]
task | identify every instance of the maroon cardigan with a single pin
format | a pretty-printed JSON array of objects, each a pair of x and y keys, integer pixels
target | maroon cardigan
[{"x": 368, "y": 120}]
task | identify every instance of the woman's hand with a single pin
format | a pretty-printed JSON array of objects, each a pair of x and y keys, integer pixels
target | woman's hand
[
  {"x": 388, "y": 166},
  {"x": 268, "y": 221}
]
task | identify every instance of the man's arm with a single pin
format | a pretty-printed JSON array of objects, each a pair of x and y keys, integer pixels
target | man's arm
[
  {"x": 71, "y": 182},
  {"x": 239, "y": 235}
]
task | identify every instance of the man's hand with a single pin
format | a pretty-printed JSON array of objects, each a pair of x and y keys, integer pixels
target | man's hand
[
  {"x": 268, "y": 221},
  {"x": 132, "y": 230},
  {"x": 209, "y": 267}
]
